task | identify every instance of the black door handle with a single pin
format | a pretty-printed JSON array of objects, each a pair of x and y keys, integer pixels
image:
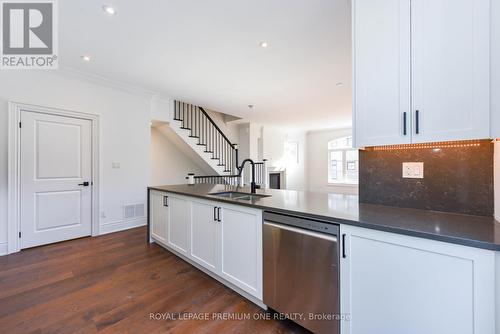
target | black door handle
[
  {"x": 85, "y": 184},
  {"x": 215, "y": 213},
  {"x": 218, "y": 214},
  {"x": 165, "y": 201}
]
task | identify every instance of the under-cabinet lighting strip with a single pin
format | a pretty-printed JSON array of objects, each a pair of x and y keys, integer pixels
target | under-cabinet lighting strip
[{"x": 451, "y": 144}]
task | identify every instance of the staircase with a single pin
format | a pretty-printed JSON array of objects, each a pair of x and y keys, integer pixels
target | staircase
[{"x": 194, "y": 125}]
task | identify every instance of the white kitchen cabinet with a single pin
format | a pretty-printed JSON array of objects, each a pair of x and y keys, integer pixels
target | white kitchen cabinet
[
  {"x": 179, "y": 223},
  {"x": 446, "y": 97},
  {"x": 381, "y": 51},
  {"x": 158, "y": 215},
  {"x": 396, "y": 284},
  {"x": 450, "y": 69},
  {"x": 225, "y": 239},
  {"x": 495, "y": 69},
  {"x": 241, "y": 248},
  {"x": 205, "y": 235}
]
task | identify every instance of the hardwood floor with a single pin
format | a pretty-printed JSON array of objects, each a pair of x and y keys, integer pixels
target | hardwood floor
[{"x": 117, "y": 283}]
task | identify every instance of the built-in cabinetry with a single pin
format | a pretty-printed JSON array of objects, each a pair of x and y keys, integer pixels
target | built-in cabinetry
[
  {"x": 224, "y": 239},
  {"x": 398, "y": 284},
  {"x": 421, "y": 71},
  {"x": 158, "y": 215}
]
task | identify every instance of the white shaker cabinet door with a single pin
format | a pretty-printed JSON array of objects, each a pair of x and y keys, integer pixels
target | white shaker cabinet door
[
  {"x": 179, "y": 224},
  {"x": 381, "y": 51},
  {"x": 204, "y": 235},
  {"x": 395, "y": 284},
  {"x": 450, "y": 70},
  {"x": 241, "y": 246},
  {"x": 158, "y": 215}
]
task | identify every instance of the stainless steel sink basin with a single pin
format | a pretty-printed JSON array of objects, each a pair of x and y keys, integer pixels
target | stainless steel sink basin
[{"x": 239, "y": 195}]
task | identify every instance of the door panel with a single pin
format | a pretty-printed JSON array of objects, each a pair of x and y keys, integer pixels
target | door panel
[
  {"x": 450, "y": 61},
  {"x": 242, "y": 249},
  {"x": 57, "y": 142},
  {"x": 179, "y": 223},
  {"x": 204, "y": 230},
  {"x": 57, "y": 209},
  {"x": 159, "y": 216},
  {"x": 56, "y": 156},
  {"x": 398, "y": 284},
  {"x": 381, "y": 38}
]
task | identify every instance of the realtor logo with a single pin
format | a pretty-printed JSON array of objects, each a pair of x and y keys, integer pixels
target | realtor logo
[{"x": 29, "y": 34}]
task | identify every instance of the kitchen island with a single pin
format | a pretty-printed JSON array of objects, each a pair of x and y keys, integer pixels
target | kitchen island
[{"x": 401, "y": 270}]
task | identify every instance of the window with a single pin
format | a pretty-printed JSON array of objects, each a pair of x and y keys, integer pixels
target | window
[{"x": 343, "y": 161}]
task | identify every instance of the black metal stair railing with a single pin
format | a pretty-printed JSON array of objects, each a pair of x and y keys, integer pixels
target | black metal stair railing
[
  {"x": 233, "y": 180},
  {"x": 201, "y": 126}
]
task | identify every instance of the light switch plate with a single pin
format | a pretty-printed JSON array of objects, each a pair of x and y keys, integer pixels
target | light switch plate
[{"x": 413, "y": 170}]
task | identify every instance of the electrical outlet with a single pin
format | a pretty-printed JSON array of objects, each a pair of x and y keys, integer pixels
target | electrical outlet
[{"x": 413, "y": 170}]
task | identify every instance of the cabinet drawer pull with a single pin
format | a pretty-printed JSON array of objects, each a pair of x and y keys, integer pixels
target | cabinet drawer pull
[
  {"x": 215, "y": 213},
  {"x": 417, "y": 122},
  {"x": 165, "y": 201},
  {"x": 404, "y": 123},
  {"x": 218, "y": 214},
  {"x": 343, "y": 246}
]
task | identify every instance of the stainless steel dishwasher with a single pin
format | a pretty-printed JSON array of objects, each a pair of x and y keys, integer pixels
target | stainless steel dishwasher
[{"x": 301, "y": 270}]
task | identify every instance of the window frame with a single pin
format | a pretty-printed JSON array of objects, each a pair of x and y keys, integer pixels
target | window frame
[{"x": 343, "y": 150}]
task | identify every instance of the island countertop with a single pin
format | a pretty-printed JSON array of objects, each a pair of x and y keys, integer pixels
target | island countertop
[{"x": 473, "y": 231}]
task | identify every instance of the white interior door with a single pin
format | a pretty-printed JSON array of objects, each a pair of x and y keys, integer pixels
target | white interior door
[{"x": 56, "y": 160}]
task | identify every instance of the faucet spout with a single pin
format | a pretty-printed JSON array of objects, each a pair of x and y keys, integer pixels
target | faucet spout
[{"x": 253, "y": 185}]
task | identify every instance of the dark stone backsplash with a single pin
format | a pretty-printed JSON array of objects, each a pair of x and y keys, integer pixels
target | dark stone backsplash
[{"x": 456, "y": 179}]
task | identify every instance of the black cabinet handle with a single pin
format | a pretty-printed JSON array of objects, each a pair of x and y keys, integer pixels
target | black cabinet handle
[
  {"x": 417, "y": 122},
  {"x": 404, "y": 123},
  {"x": 165, "y": 201},
  {"x": 215, "y": 213},
  {"x": 343, "y": 246},
  {"x": 85, "y": 184},
  {"x": 218, "y": 214}
]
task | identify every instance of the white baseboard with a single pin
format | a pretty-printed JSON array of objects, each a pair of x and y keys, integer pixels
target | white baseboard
[
  {"x": 121, "y": 225},
  {"x": 4, "y": 250}
]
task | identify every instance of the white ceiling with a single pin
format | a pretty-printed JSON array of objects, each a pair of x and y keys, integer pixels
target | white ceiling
[{"x": 208, "y": 53}]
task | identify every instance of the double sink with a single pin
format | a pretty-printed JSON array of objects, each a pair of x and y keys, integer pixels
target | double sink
[{"x": 239, "y": 195}]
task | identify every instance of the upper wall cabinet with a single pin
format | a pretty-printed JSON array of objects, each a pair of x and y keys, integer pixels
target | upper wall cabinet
[
  {"x": 381, "y": 42},
  {"x": 421, "y": 71}
]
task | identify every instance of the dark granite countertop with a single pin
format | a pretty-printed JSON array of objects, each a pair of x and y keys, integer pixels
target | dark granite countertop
[{"x": 473, "y": 231}]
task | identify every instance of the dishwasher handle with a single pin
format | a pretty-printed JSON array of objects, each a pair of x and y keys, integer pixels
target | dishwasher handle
[{"x": 303, "y": 231}]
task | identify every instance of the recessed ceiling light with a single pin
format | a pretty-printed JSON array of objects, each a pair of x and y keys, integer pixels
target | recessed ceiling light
[
  {"x": 264, "y": 44},
  {"x": 109, "y": 10},
  {"x": 86, "y": 58}
]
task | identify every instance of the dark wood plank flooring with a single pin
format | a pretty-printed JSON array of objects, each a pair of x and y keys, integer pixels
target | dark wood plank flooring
[{"x": 114, "y": 284}]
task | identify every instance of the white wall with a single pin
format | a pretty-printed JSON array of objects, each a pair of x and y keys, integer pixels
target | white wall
[
  {"x": 273, "y": 143},
  {"x": 231, "y": 130},
  {"x": 124, "y": 134},
  {"x": 169, "y": 164},
  {"x": 317, "y": 161}
]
